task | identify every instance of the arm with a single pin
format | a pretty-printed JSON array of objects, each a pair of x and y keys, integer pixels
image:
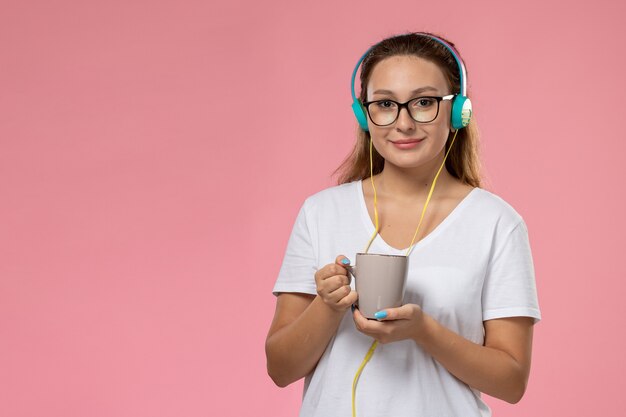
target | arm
[
  {"x": 302, "y": 327},
  {"x": 499, "y": 368},
  {"x": 304, "y": 324}
]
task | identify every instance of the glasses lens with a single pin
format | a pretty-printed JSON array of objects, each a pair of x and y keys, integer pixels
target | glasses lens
[
  {"x": 424, "y": 109},
  {"x": 383, "y": 112}
]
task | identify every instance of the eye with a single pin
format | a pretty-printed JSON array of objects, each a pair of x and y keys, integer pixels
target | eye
[
  {"x": 385, "y": 105},
  {"x": 423, "y": 102}
]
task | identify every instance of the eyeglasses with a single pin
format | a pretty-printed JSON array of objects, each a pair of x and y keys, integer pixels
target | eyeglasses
[{"x": 422, "y": 109}]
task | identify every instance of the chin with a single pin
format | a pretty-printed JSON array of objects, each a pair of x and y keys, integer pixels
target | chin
[
  {"x": 410, "y": 162},
  {"x": 409, "y": 165}
]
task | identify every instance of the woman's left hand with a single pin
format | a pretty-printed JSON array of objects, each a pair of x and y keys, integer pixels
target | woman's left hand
[{"x": 406, "y": 322}]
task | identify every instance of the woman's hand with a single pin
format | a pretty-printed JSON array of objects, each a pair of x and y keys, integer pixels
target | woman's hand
[
  {"x": 498, "y": 368},
  {"x": 393, "y": 324},
  {"x": 333, "y": 285}
]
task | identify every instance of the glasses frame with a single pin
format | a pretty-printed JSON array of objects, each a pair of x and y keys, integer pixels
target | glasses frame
[{"x": 405, "y": 105}]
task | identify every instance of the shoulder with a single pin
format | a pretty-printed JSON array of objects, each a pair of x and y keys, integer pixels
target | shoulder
[
  {"x": 333, "y": 196},
  {"x": 330, "y": 206},
  {"x": 491, "y": 207}
]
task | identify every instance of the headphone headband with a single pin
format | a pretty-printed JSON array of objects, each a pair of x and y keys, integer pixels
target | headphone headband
[{"x": 462, "y": 72}]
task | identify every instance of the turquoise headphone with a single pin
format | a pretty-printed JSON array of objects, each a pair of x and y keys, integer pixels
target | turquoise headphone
[{"x": 461, "y": 105}]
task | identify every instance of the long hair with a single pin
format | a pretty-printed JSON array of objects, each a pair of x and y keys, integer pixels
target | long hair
[{"x": 463, "y": 161}]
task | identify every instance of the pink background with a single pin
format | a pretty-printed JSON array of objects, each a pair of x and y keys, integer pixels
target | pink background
[{"x": 154, "y": 154}]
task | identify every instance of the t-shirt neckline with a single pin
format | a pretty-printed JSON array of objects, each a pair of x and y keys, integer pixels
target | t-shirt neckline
[{"x": 378, "y": 240}]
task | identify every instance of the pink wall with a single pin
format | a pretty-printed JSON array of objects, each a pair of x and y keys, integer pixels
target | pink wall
[{"x": 148, "y": 151}]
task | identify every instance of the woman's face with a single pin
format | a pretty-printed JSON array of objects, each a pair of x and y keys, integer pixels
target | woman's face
[{"x": 402, "y": 78}]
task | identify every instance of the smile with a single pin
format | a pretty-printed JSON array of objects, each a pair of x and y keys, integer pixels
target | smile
[{"x": 407, "y": 143}]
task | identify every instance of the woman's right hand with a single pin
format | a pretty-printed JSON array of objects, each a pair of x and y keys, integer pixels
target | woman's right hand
[{"x": 333, "y": 285}]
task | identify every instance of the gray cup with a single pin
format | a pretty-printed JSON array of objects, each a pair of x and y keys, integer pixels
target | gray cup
[{"x": 380, "y": 281}]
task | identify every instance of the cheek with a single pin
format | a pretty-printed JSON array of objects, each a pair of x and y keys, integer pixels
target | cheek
[
  {"x": 439, "y": 130},
  {"x": 379, "y": 142},
  {"x": 377, "y": 134},
  {"x": 444, "y": 118}
]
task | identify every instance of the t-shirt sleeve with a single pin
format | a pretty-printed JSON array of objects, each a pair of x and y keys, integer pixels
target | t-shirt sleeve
[
  {"x": 510, "y": 289},
  {"x": 297, "y": 272}
]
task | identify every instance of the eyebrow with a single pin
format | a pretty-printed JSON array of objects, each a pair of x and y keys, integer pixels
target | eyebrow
[{"x": 417, "y": 91}]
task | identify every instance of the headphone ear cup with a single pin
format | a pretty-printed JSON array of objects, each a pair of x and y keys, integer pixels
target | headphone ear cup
[
  {"x": 461, "y": 112},
  {"x": 360, "y": 114}
]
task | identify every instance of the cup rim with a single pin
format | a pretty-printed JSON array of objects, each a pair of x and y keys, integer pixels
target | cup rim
[{"x": 381, "y": 254}]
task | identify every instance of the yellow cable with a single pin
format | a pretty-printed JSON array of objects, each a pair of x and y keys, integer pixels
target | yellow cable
[
  {"x": 358, "y": 374},
  {"x": 432, "y": 188},
  {"x": 375, "y": 199},
  {"x": 370, "y": 352}
]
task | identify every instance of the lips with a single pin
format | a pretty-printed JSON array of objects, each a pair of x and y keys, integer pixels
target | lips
[
  {"x": 405, "y": 141},
  {"x": 406, "y": 144}
]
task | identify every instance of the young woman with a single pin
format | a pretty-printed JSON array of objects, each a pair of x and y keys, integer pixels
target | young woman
[{"x": 470, "y": 300}]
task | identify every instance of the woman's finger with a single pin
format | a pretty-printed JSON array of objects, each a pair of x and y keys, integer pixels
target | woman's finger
[
  {"x": 342, "y": 260},
  {"x": 340, "y": 293}
]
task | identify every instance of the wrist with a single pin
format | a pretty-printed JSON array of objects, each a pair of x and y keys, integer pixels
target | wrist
[
  {"x": 328, "y": 309},
  {"x": 426, "y": 330}
]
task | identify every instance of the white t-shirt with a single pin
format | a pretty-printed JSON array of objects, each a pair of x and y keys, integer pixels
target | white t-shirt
[{"x": 476, "y": 265}]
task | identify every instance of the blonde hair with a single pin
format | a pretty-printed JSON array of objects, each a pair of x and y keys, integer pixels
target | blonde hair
[{"x": 463, "y": 161}]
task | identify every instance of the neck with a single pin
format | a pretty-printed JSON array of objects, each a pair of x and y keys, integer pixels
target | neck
[{"x": 412, "y": 183}]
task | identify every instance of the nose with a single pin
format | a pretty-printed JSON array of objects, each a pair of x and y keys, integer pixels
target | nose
[{"x": 405, "y": 122}]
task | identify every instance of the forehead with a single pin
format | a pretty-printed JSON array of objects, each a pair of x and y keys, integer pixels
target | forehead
[{"x": 402, "y": 74}]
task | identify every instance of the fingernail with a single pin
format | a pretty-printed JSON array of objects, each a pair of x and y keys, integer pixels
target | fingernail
[
  {"x": 345, "y": 261},
  {"x": 380, "y": 315}
]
